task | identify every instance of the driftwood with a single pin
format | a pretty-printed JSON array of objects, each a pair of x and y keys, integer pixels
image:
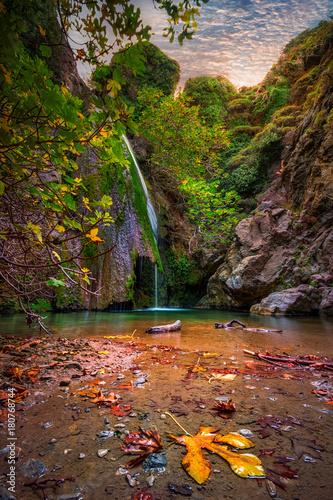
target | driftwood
[
  {"x": 165, "y": 328},
  {"x": 293, "y": 361},
  {"x": 230, "y": 324}
]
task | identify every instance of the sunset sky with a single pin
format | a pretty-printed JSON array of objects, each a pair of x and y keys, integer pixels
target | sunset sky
[{"x": 239, "y": 39}]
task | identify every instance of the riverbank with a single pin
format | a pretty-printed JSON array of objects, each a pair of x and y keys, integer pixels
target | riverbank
[{"x": 89, "y": 394}]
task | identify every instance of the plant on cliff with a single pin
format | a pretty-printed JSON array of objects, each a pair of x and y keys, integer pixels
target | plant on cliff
[
  {"x": 184, "y": 158},
  {"x": 45, "y": 128}
]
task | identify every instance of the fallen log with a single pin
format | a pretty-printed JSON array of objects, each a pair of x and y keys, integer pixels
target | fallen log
[
  {"x": 245, "y": 329},
  {"x": 165, "y": 328},
  {"x": 229, "y": 324}
]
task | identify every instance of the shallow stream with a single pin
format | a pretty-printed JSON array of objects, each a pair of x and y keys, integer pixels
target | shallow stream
[{"x": 301, "y": 426}]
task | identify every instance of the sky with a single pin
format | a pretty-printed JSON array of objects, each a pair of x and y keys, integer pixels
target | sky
[{"x": 239, "y": 39}]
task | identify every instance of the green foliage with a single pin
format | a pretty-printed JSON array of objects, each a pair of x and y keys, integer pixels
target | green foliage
[
  {"x": 184, "y": 158},
  {"x": 246, "y": 173},
  {"x": 159, "y": 72},
  {"x": 130, "y": 287},
  {"x": 274, "y": 97},
  {"x": 211, "y": 95}
]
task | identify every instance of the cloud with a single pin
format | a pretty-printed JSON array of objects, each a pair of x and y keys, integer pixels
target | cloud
[{"x": 240, "y": 39}]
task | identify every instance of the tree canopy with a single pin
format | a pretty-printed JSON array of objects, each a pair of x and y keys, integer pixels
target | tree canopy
[{"x": 47, "y": 123}]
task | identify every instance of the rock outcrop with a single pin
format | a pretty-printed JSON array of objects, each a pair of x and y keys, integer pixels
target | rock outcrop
[{"x": 282, "y": 254}]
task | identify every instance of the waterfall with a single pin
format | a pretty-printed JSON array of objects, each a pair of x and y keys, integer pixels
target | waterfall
[{"x": 150, "y": 209}]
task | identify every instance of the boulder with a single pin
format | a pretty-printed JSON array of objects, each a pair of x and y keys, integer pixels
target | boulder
[
  {"x": 304, "y": 299},
  {"x": 326, "y": 304}
]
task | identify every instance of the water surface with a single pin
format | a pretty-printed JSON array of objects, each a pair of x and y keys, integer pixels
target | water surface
[{"x": 305, "y": 334}]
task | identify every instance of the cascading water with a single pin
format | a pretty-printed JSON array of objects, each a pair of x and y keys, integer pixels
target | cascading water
[{"x": 150, "y": 209}]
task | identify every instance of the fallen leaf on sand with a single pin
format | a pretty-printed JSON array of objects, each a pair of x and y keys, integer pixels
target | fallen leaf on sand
[
  {"x": 220, "y": 376},
  {"x": 142, "y": 443},
  {"x": 198, "y": 467},
  {"x": 225, "y": 409}
]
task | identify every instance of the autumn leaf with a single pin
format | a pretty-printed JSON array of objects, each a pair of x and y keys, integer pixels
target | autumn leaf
[
  {"x": 93, "y": 235},
  {"x": 41, "y": 31},
  {"x": 142, "y": 443},
  {"x": 118, "y": 411},
  {"x": 224, "y": 377},
  {"x": 224, "y": 409},
  {"x": 198, "y": 467}
]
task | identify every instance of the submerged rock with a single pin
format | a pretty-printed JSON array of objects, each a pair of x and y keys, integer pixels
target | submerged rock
[
  {"x": 155, "y": 461},
  {"x": 33, "y": 468}
]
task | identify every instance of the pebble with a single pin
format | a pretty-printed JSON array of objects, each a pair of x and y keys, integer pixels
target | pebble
[
  {"x": 155, "y": 461},
  {"x": 82, "y": 455},
  {"x": 163, "y": 417},
  {"x": 139, "y": 381},
  {"x": 47, "y": 424},
  {"x": 5, "y": 494},
  {"x": 105, "y": 434},
  {"x": 131, "y": 480},
  {"x": 74, "y": 364},
  {"x": 68, "y": 451},
  {"x": 150, "y": 480},
  {"x": 119, "y": 426},
  {"x": 287, "y": 428},
  {"x": 102, "y": 453},
  {"x": 87, "y": 410},
  {"x": 53, "y": 440},
  {"x": 246, "y": 433},
  {"x": 121, "y": 471},
  {"x": 222, "y": 398},
  {"x": 133, "y": 414},
  {"x": 33, "y": 468},
  {"x": 121, "y": 377},
  {"x": 272, "y": 399},
  {"x": 309, "y": 459},
  {"x": 65, "y": 382},
  {"x": 270, "y": 488}
]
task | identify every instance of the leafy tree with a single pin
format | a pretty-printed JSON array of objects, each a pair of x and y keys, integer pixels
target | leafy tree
[
  {"x": 184, "y": 159},
  {"x": 45, "y": 224},
  {"x": 160, "y": 72}
]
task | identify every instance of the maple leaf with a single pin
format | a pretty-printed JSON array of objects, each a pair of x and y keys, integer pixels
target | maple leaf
[
  {"x": 198, "y": 467},
  {"x": 142, "y": 443},
  {"x": 93, "y": 235}
]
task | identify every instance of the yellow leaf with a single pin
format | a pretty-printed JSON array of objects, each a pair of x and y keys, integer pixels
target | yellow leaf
[
  {"x": 85, "y": 270},
  {"x": 102, "y": 352},
  {"x": 220, "y": 376},
  {"x": 93, "y": 235},
  {"x": 86, "y": 203},
  {"x": 103, "y": 132},
  {"x": 198, "y": 467},
  {"x": 41, "y": 31},
  {"x": 56, "y": 255},
  {"x": 60, "y": 229}
]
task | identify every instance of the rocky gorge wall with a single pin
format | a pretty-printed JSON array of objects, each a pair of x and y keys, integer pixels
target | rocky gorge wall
[{"x": 281, "y": 258}]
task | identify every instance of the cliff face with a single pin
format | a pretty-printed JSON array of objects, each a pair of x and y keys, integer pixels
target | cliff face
[{"x": 285, "y": 246}]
